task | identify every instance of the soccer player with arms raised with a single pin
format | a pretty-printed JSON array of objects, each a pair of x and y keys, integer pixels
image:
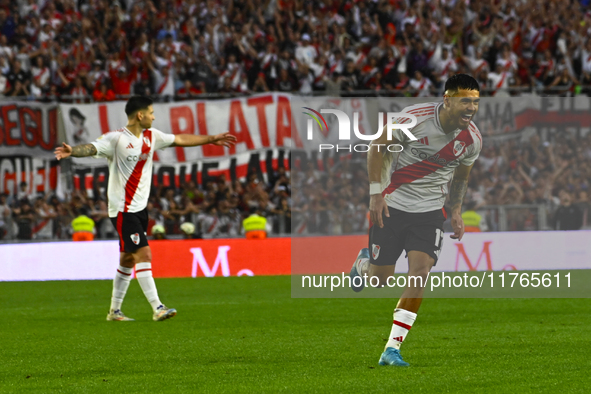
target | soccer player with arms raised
[
  {"x": 407, "y": 194},
  {"x": 129, "y": 152}
]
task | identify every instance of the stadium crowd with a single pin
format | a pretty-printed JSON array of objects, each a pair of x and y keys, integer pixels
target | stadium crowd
[
  {"x": 103, "y": 49},
  {"x": 215, "y": 210},
  {"x": 552, "y": 171}
]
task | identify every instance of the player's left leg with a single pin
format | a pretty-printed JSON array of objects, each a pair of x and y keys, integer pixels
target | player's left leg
[
  {"x": 423, "y": 245},
  {"x": 143, "y": 273}
]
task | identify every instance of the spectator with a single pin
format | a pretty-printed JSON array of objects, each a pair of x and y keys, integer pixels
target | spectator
[
  {"x": 103, "y": 93},
  {"x": 285, "y": 82},
  {"x": 24, "y": 218},
  {"x": 420, "y": 85},
  {"x": 5, "y": 218},
  {"x": 568, "y": 216},
  {"x": 305, "y": 52},
  {"x": 122, "y": 80},
  {"x": 45, "y": 214},
  {"x": 188, "y": 91},
  {"x": 79, "y": 92},
  {"x": 18, "y": 80},
  {"x": 83, "y": 227},
  {"x": 158, "y": 232}
]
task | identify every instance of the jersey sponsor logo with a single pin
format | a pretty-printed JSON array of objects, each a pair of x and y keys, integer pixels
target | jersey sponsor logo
[
  {"x": 459, "y": 147},
  {"x": 147, "y": 142},
  {"x": 375, "y": 251},
  {"x": 135, "y": 238},
  {"x": 433, "y": 159},
  {"x": 129, "y": 146},
  {"x": 143, "y": 156}
]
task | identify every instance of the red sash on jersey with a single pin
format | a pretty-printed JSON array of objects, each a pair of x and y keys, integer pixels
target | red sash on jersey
[
  {"x": 389, "y": 67},
  {"x": 479, "y": 68},
  {"x": 361, "y": 59},
  {"x": 444, "y": 72},
  {"x": 503, "y": 76},
  {"x": 215, "y": 221},
  {"x": 320, "y": 77},
  {"x": 161, "y": 88},
  {"x": 136, "y": 175}
]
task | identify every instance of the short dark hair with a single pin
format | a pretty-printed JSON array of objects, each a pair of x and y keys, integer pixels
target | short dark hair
[
  {"x": 461, "y": 81},
  {"x": 137, "y": 103}
]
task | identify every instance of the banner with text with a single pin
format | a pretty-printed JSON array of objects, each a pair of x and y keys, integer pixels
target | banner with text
[{"x": 28, "y": 129}]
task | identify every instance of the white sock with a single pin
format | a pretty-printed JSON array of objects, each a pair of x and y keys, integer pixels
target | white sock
[
  {"x": 143, "y": 273},
  {"x": 120, "y": 285},
  {"x": 403, "y": 321}
]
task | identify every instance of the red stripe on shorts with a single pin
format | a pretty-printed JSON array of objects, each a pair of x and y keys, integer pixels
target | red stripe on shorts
[{"x": 120, "y": 231}]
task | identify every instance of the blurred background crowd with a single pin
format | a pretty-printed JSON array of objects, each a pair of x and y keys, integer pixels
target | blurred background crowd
[
  {"x": 100, "y": 49},
  {"x": 216, "y": 210},
  {"x": 539, "y": 184}
]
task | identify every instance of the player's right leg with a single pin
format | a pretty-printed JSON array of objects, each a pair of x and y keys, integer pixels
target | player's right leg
[
  {"x": 120, "y": 286},
  {"x": 135, "y": 252},
  {"x": 423, "y": 244}
]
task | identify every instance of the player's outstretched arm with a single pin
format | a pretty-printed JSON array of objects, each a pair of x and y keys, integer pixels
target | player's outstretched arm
[
  {"x": 224, "y": 139},
  {"x": 65, "y": 151},
  {"x": 459, "y": 186}
]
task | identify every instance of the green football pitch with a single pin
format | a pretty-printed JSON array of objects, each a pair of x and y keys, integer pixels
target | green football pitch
[{"x": 248, "y": 335}]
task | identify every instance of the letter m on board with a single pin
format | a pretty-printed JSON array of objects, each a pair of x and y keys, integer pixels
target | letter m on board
[
  {"x": 221, "y": 261},
  {"x": 485, "y": 252}
]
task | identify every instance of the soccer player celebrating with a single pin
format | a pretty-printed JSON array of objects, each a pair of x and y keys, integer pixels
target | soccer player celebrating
[
  {"x": 407, "y": 193},
  {"x": 129, "y": 152}
]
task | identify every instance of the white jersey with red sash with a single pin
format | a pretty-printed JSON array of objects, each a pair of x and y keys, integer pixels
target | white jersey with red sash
[
  {"x": 130, "y": 166},
  {"x": 416, "y": 179}
]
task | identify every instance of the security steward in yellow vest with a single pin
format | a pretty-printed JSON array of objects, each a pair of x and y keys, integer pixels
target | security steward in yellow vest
[
  {"x": 471, "y": 219},
  {"x": 83, "y": 227},
  {"x": 255, "y": 226}
]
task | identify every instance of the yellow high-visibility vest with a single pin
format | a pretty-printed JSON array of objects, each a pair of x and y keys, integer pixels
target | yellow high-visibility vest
[
  {"x": 83, "y": 223},
  {"x": 471, "y": 219},
  {"x": 254, "y": 222}
]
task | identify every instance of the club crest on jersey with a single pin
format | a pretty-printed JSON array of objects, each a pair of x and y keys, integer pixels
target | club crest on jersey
[
  {"x": 459, "y": 147},
  {"x": 135, "y": 238},
  {"x": 147, "y": 142},
  {"x": 375, "y": 251}
]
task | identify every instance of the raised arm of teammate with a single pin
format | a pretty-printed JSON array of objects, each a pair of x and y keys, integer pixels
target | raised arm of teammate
[
  {"x": 224, "y": 139},
  {"x": 459, "y": 186},
  {"x": 66, "y": 151},
  {"x": 375, "y": 158}
]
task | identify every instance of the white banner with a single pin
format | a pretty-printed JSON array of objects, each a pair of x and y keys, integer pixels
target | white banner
[
  {"x": 260, "y": 122},
  {"x": 548, "y": 250},
  {"x": 535, "y": 250}
]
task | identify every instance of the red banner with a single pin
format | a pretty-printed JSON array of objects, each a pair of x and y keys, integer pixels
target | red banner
[{"x": 221, "y": 257}]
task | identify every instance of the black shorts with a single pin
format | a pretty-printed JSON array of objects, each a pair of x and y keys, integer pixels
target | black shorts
[
  {"x": 132, "y": 228},
  {"x": 422, "y": 232}
]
